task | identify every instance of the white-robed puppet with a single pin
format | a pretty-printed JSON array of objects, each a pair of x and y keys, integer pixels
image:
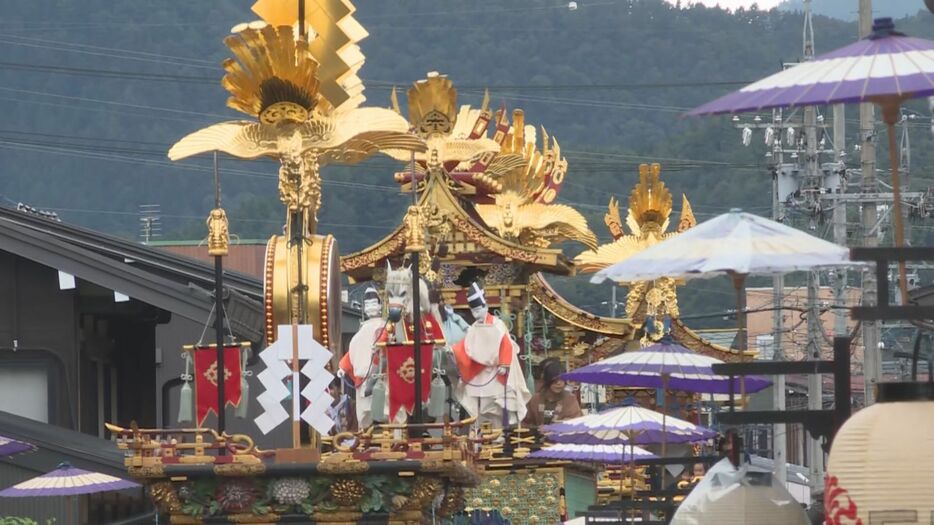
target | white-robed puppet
[
  {"x": 488, "y": 362},
  {"x": 393, "y": 352},
  {"x": 362, "y": 358}
]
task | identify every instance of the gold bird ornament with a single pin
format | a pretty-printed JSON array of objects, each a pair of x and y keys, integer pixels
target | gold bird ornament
[
  {"x": 273, "y": 78},
  {"x": 523, "y": 210},
  {"x": 647, "y": 219}
]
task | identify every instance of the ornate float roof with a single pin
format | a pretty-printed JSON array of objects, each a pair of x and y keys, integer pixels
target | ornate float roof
[
  {"x": 487, "y": 198},
  {"x": 470, "y": 239},
  {"x": 545, "y": 295}
]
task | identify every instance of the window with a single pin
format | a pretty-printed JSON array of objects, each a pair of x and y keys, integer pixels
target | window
[{"x": 24, "y": 390}]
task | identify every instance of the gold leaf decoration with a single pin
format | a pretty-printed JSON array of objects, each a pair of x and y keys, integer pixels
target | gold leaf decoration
[
  {"x": 524, "y": 209},
  {"x": 433, "y": 105},
  {"x": 270, "y": 67},
  {"x": 649, "y": 202},
  {"x": 334, "y": 35}
]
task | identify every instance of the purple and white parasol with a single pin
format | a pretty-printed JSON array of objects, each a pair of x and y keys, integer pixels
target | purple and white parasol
[
  {"x": 12, "y": 447},
  {"x": 67, "y": 481},
  {"x": 624, "y": 425},
  {"x": 886, "y": 68},
  {"x": 647, "y": 368},
  {"x": 615, "y": 454},
  {"x": 885, "y": 64}
]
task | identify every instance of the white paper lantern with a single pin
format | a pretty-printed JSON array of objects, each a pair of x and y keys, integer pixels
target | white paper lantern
[{"x": 881, "y": 466}]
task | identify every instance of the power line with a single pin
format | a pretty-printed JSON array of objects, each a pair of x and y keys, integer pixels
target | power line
[
  {"x": 381, "y": 85},
  {"x": 111, "y": 52},
  {"x": 199, "y": 217},
  {"x": 112, "y": 103}
]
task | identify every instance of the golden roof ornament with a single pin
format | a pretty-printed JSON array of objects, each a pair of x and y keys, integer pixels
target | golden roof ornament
[
  {"x": 274, "y": 77},
  {"x": 649, "y": 202},
  {"x": 433, "y": 105},
  {"x": 333, "y": 44},
  {"x": 454, "y": 136},
  {"x": 415, "y": 230},
  {"x": 529, "y": 178},
  {"x": 647, "y": 219}
]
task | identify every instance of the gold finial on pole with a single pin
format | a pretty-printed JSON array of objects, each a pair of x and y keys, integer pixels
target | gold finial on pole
[{"x": 218, "y": 235}]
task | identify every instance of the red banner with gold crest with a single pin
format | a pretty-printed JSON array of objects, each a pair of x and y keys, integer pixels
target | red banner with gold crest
[
  {"x": 401, "y": 373},
  {"x": 205, "y": 376}
]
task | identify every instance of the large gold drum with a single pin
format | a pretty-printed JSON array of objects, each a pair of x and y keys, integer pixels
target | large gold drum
[
  {"x": 317, "y": 266},
  {"x": 881, "y": 467}
]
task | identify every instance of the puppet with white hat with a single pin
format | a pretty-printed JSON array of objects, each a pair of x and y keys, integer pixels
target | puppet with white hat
[
  {"x": 362, "y": 358},
  {"x": 492, "y": 387}
]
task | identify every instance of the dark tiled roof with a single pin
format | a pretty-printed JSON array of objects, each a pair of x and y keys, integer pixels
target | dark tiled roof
[{"x": 57, "y": 444}]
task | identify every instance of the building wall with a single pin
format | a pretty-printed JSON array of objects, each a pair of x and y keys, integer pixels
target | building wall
[
  {"x": 38, "y": 328},
  {"x": 794, "y": 339}
]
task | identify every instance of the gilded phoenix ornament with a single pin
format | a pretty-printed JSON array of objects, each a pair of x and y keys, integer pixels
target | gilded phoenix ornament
[{"x": 275, "y": 79}]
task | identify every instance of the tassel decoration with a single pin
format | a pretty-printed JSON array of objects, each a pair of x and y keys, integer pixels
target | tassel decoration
[
  {"x": 186, "y": 397},
  {"x": 437, "y": 398},
  {"x": 243, "y": 409},
  {"x": 438, "y": 393},
  {"x": 378, "y": 405}
]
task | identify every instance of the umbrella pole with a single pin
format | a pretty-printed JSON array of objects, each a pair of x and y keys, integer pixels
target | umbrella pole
[
  {"x": 739, "y": 283},
  {"x": 890, "y": 113},
  {"x": 664, "y": 424}
]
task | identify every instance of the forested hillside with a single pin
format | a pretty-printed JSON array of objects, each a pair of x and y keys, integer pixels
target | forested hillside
[{"x": 92, "y": 94}]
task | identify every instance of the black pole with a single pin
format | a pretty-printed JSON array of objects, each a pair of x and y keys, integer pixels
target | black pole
[
  {"x": 219, "y": 316},
  {"x": 417, "y": 313},
  {"x": 301, "y": 18},
  {"x": 841, "y": 383}
]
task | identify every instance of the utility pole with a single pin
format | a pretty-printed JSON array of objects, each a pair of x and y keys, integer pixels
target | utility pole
[
  {"x": 872, "y": 354},
  {"x": 779, "y": 432},
  {"x": 815, "y": 394},
  {"x": 813, "y": 184},
  {"x": 839, "y": 221}
]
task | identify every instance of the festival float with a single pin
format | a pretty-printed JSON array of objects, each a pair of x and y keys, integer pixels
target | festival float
[{"x": 435, "y": 426}]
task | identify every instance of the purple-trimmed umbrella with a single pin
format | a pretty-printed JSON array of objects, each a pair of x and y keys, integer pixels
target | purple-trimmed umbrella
[
  {"x": 735, "y": 243},
  {"x": 885, "y": 68},
  {"x": 67, "y": 481},
  {"x": 12, "y": 447},
  {"x": 615, "y": 454},
  {"x": 649, "y": 366},
  {"x": 626, "y": 425}
]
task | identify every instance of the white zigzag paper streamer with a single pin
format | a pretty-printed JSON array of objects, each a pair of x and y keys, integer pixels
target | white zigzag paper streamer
[
  {"x": 275, "y": 356},
  {"x": 316, "y": 392},
  {"x": 271, "y": 400}
]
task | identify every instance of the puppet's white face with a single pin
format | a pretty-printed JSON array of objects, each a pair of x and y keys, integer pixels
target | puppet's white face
[
  {"x": 371, "y": 308},
  {"x": 479, "y": 313}
]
